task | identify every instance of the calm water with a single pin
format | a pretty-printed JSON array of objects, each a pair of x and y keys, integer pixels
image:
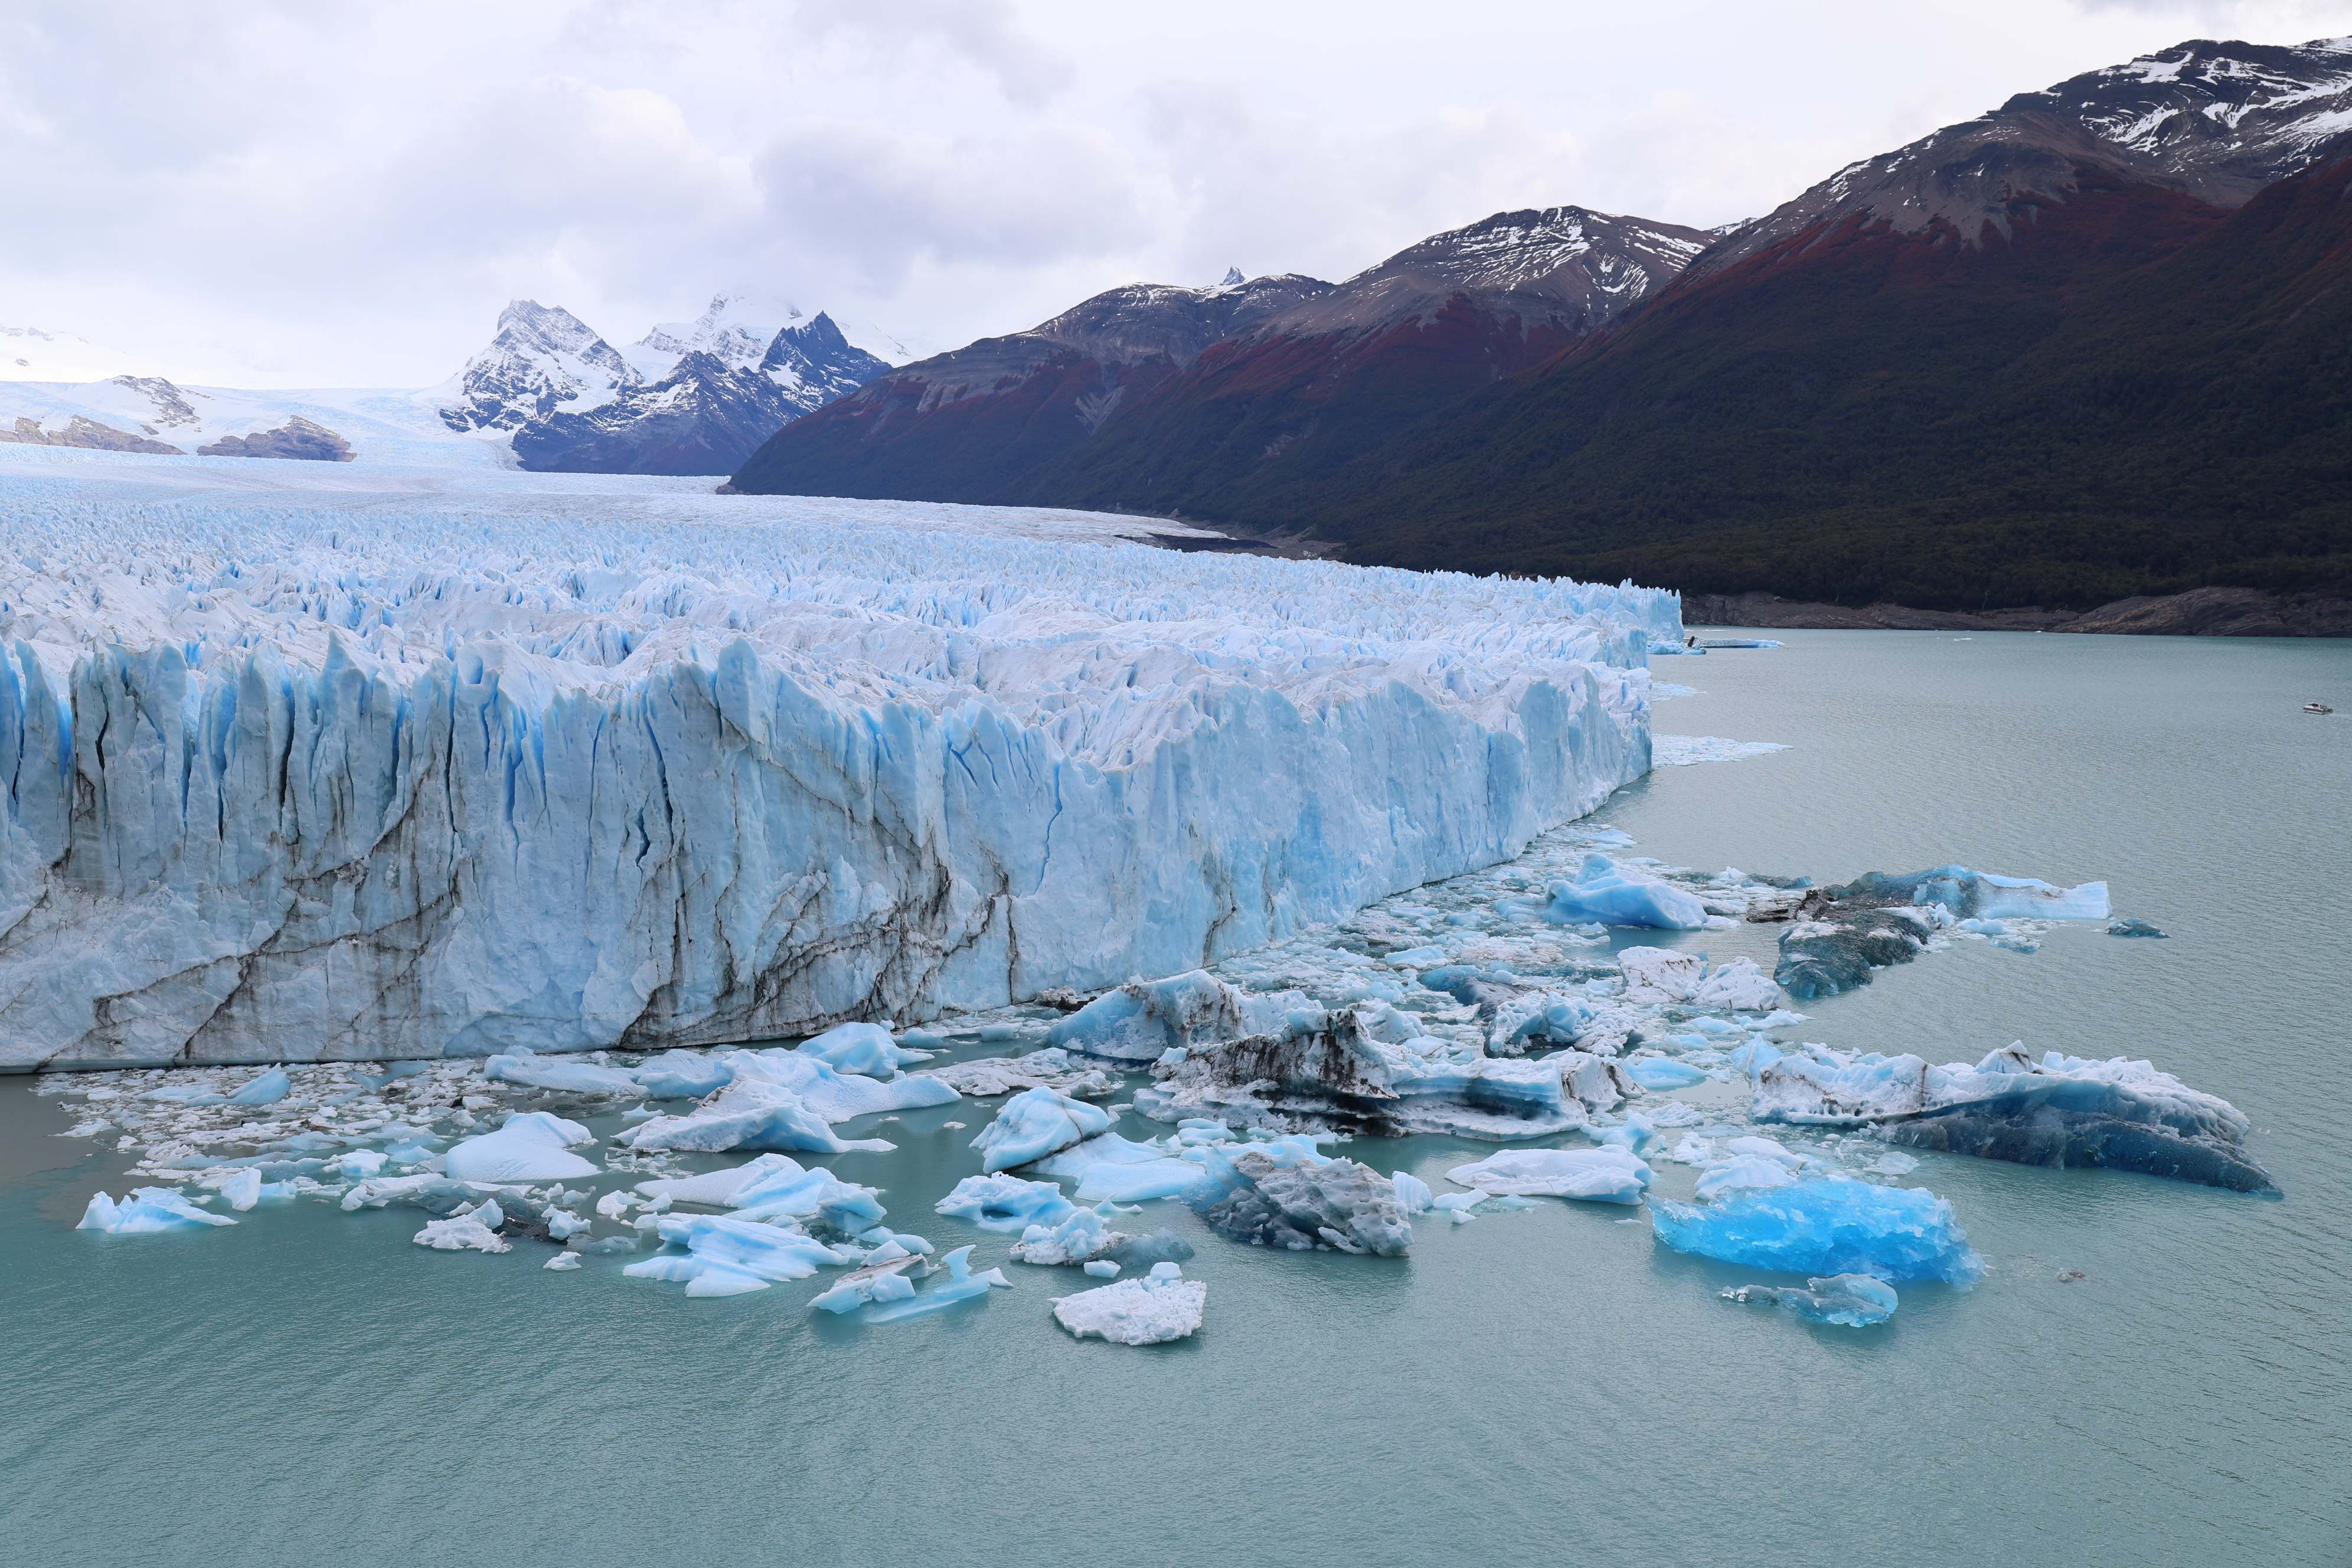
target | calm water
[{"x": 309, "y": 1388}]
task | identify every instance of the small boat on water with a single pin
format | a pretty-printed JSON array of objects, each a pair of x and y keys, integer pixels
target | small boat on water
[{"x": 2318, "y": 708}]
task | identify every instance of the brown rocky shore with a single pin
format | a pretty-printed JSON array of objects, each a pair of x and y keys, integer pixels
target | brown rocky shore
[{"x": 2200, "y": 612}]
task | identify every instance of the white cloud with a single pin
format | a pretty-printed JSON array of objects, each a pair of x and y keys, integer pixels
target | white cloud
[{"x": 349, "y": 193}]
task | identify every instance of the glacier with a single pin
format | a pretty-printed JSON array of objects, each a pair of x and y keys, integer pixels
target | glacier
[{"x": 395, "y": 763}]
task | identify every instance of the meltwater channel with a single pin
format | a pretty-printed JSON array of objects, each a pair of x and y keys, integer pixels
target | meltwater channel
[{"x": 1545, "y": 1385}]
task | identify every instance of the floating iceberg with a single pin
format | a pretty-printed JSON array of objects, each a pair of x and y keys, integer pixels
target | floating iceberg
[
  {"x": 468, "y": 1230},
  {"x": 962, "y": 1285},
  {"x": 1849, "y": 1300},
  {"x": 1334, "y": 1203},
  {"x": 1840, "y": 934},
  {"x": 1141, "y": 1021},
  {"x": 867, "y": 1049},
  {"x": 1657, "y": 975},
  {"x": 1599, "y": 1175},
  {"x": 532, "y": 1146},
  {"x": 1827, "y": 1225},
  {"x": 724, "y": 1255},
  {"x": 759, "y": 1112},
  {"x": 594, "y": 768},
  {"x": 1619, "y": 894},
  {"x": 560, "y": 1073},
  {"x": 2059, "y": 1110},
  {"x": 1161, "y": 1307},
  {"x": 267, "y": 1089},
  {"x": 984, "y": 1078},
  {"x": 146, "y": 1211},
  {"x": 1033, "y": 1124},
  {"x": 1326, "y": 1071},
  {"x": 1005, "y": 1203},
  {"x": 682, "y": 1075}
]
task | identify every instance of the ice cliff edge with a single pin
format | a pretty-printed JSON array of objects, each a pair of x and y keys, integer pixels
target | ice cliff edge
[{"x": 275, "y": 791}]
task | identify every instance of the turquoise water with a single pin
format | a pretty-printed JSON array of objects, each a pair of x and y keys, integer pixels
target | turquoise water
[{"x": 1546, "y": 1385}]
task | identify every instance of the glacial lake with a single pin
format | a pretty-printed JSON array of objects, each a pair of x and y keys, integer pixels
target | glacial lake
[{"x": 1541, "y": 1385}]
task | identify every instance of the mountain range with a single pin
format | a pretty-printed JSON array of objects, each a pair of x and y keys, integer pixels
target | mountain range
[
  {"x": 2091, "y": 345},
  {"x": 548, "y": 392}
]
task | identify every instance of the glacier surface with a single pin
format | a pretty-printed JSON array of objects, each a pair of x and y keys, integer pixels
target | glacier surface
[{"x": 373, "y": 763}]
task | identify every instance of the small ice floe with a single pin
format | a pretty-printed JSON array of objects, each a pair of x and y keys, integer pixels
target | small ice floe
[
  {"x": 1000, "y": 1201},
  {"x": 962, "y": 1285},
  {"x": 530, "y": 1146},
  {"x": 562, "y": 1262},
  {"x": 1084, "y": 1237},
  {"x": 2064, "y": 1111},
  {"x": 1161, "y": 1307},
  {"x": 1826, "y": 1225},
  {"x": 781, "y": 1099},
  {"x": 2134, "y": 928},
  {"x": 985, "y": 1078},
  {"x": 1100, "y": 1268},
  {"x": 1849, "y": 1300},
  {"x": 240, "y": 1187},
  {"x": 723, "y": 1255},
  {"x": 1334, "y": 1203},
  {"x": 567, "y": 1075},
  {"x": 1681, "y": 751},
  {"x": 1662, "y": 1073},
  {"x": 1617, "y": 894},
  {"x": 266, "y": 1089},
  {"x": 681, "y": 1075},
  {"x": 146, "y": 1211},
  {"x": 1596, "y": 1175},
  {"x": 1035, "y": 1123},
  {"x": 472, "y": 1229}
]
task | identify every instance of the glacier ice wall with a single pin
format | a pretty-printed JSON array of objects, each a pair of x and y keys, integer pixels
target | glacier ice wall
[{"x": 350, "y": 768}]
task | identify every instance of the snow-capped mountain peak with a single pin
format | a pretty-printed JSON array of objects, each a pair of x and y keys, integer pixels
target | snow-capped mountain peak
[
  {"x": 736, "y": 330},
  {"x": 544, "y": 359}
]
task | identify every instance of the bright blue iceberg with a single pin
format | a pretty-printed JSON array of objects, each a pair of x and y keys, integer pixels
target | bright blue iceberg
[
  {"x": 1827, "y": 1226},
  {"x": 1033, "y": 1124},
  {"x": 1617, "y": 895}
]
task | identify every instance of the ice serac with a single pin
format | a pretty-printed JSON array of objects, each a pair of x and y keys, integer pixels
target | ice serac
[{"x": 401, "y": 780}]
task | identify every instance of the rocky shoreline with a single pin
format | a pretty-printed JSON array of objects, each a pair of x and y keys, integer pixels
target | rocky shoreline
[{"x": 2200, "y": 612}]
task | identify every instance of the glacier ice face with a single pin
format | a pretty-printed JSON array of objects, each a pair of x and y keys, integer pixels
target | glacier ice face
[
  {"x": 1848, "y": 1300},
  {"x": 1827, "y": 1225},
  {"x": 368, "y": 765}
]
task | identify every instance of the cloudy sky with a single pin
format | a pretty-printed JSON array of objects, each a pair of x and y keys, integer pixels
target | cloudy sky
[{"x": 276, "y": 191}]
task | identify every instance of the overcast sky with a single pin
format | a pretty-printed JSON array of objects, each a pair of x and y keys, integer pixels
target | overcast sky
[{"x": 287, "y": 193}]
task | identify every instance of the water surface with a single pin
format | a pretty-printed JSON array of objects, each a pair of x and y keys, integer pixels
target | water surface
[{"x": 1548, "y": 1386}]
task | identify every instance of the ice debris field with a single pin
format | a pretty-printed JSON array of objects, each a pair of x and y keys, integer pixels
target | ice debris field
[{"x": 598, "y": 871}]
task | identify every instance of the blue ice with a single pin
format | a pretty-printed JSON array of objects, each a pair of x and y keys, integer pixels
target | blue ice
[
  {"x": 1827, "y": 1225},
  {"x": 1033, "y": 1124},
  {"x": 1615, "y": 894},
  {"x": 146, "y": 1211},
  {"x": 1849, "y": 1300},
  {"x": 999, "y": 1202},
  {"x": 266, "y": 1089}
]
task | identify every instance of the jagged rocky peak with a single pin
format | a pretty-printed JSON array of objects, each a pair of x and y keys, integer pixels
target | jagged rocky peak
[
  {"x": 1567, "y": 266},
  {"x": 2216, "y": 122},
  {"x": 1232, "y": 279},
  {"x": 2227, "y": 118},
  {"x": 544, "y": 359},
  {"x": 736, "y": 330}
]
